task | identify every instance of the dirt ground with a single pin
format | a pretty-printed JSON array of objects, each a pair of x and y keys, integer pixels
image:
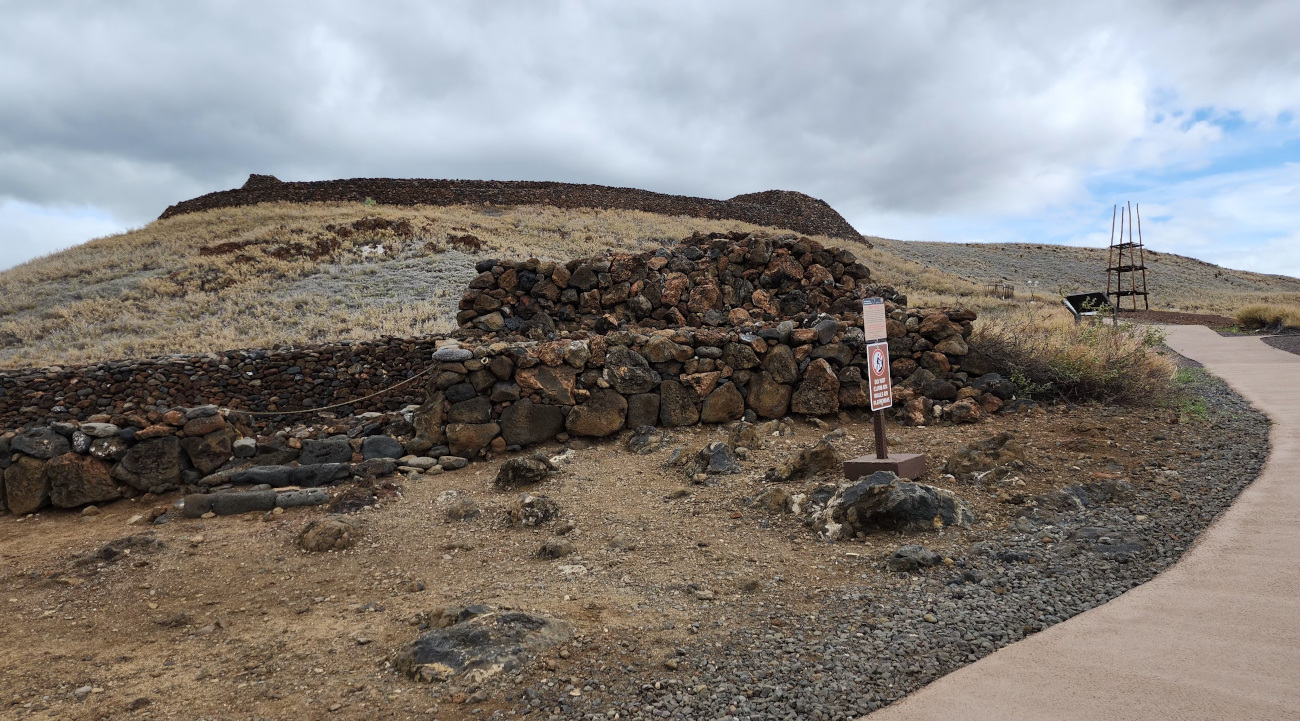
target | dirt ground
[{"x": 226, "y": 619}]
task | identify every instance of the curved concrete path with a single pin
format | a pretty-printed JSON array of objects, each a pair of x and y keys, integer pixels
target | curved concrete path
[{"x": 1216, "y": 636}]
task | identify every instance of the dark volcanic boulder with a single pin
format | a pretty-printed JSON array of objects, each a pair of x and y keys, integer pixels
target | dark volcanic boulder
[
  {"x": 27, "y": 488},
  {"x": 334, "y": 450},
  {"x": 602, "y": 414},
  {"x": 821, "y": 459},
  {"x": 480, "y": 647},
  {"x": 883, "y": 503},
  {"x": 518, "y": 472},
  {"x": 819, "y": 393},
  {"x": 76, "y": 480},
  {"x": 642, "y": 410},
  {"x": 767, "y": 397},
  {"x": 525, "y": 422},
  {"x": 912, "y": 557},
  {"x": 151, "y": 463},
  {"x": 41, "y": 443},
  {"x": 724, "y": 404},
  {"x": 628, "y": 372},
  {"x": 676, "y": 405},
  {"x": 209, "y": 452}
]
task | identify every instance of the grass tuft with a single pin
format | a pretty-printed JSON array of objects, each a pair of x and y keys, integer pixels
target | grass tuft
[
  {"x": 1274, "y": 316},
  {"x": 1049, "y": 356}
]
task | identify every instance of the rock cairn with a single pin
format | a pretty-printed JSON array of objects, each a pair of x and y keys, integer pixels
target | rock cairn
[{"x": 774, "y": 208}]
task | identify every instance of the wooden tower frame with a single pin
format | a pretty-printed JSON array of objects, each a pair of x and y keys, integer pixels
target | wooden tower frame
[{"x": 1132, "y": 268}]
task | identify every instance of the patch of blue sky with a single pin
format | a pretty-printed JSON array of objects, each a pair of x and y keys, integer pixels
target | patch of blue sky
[{"x": 28, "y": 230}]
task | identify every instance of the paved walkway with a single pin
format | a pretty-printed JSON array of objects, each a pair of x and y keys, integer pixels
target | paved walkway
[{"x": 1217, "y": 636}]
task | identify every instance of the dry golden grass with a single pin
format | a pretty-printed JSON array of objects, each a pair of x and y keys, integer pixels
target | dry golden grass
[
  {"x": 150, "y": 292},
  {"x": 1049, "y": 356},
  {"x": 1254, "y": 317}
]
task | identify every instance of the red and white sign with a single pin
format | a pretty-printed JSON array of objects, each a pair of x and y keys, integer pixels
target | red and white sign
[{"x": 882, "y": 390}]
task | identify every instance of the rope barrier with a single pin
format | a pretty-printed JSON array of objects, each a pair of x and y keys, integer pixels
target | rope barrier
[{"x": 345, "y": 403}]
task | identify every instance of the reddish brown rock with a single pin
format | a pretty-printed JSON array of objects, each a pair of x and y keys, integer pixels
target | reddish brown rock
[
  {"x": 724, "y": 404},
  {"x": 705, "y": 296},
  {"x": 819, "y": 392},
  {"x": 964, "y": 411},
  {"x": 76, "y": 480},
  {"x": 555, "y": 384},
  {"x": 675, "y": 285},
  {"x": 155, "y": 431},
  {"x": 27, "y": 488},
  {"x": 676, "y": 405},
  {"x": 467, "y": 439},
  {"x": 767, "y": 397},
  {"x": 701, "y": 384},
  {"x": 205, "y": 425},
  {"x": 602, "y": 414},
  {"x": 937, "y": 327},
  {"x": 209, "y": 452}
]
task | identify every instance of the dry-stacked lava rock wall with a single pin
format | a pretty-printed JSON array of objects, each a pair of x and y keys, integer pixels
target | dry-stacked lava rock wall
[
  {"x": 714, "y": 329},
  {"x": 776, "y": 208}
]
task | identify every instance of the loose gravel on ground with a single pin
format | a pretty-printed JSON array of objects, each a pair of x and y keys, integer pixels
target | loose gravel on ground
[{"x": 863, "y": 649}]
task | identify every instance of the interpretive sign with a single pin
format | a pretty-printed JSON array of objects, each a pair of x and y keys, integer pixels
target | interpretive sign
[{"x": 873, "y": 318}]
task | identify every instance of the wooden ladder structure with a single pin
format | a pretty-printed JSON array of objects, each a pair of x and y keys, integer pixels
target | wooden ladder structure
[{"x": 1126, "y": 261}]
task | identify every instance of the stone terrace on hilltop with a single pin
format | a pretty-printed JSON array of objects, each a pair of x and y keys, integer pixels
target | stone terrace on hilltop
[{"x": 774, "y": 208}]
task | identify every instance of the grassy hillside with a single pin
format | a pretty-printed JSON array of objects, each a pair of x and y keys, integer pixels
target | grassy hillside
[
  {"x": 281, "y": 273},
  {"x": 1174, "y": 281},
  {"x": 291, "y": 273}
]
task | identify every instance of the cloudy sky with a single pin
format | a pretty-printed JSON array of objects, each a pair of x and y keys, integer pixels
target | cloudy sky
[{"x": 959, "y": 122}]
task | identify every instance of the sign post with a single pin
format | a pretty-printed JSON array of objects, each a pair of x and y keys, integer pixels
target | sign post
[{"x": 881, "y": 390}]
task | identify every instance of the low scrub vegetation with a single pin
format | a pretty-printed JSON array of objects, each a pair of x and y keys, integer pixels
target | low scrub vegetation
[
  {"x": 1050, "y": 357},
  {"x": 1271, "y": 316}
]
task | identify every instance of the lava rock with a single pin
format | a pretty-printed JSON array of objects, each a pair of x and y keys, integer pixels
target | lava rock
[
  {"x": 716, "y": 458},
  {"x": 480, "y": 647},
  {"x": 27, "y": 488},
  {"x": 531, "y": 510},
  {"x": 518, "y": 472},
  {"x": 41, "y": 443},
  {"x": 332, "y": 450},
  {"x": 602, "y": 414},
  {"x": 76, "y": 480},
  {"x": 912, "y": 557},
  {"x": 310, "y": 497},
  {"x": 151, "y": 463},
  {"x": 524, "y": 423},
  {"x": 381, "y": 447},
  {"x": 820, "y": 459},
  {"x": 331, "y": 533}
]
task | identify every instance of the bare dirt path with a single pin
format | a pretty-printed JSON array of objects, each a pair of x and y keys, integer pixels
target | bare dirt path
[{"x": 1217, "y": 636}]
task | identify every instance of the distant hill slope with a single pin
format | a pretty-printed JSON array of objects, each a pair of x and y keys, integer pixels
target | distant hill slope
[
  {"x": 283, "y": 273},
  {"x": 772, "y": 208},
  {"x": 1174, "y": 281}
]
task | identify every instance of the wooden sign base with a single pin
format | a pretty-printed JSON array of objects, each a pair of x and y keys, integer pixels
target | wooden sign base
[{"x": 903, "y": 465}]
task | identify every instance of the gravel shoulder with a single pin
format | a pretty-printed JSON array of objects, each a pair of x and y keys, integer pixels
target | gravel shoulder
[{"x": 691, "y": 601}]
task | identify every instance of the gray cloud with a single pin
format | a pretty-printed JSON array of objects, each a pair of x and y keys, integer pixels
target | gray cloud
[{"x": 910, "y": 109}]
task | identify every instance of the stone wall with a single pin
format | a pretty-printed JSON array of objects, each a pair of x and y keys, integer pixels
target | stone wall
[
  {"x": 776, "y": 208},
  {"x": 252, "y": 380},
  {"x": 714, "y": 329}
]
